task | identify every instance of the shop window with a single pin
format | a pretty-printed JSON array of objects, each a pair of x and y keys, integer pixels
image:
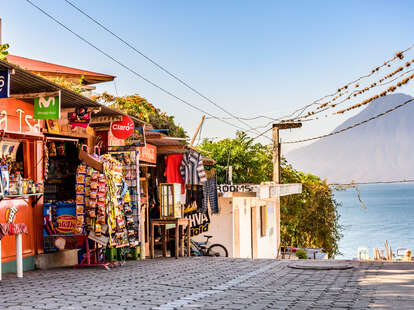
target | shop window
[{"x": 12, "y": 176}]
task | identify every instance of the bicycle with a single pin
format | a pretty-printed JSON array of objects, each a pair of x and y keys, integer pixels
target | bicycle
[{"x": 200, "y": 248}]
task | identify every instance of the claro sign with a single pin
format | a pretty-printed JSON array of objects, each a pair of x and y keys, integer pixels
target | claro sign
[{"x": 122, "y": 129}]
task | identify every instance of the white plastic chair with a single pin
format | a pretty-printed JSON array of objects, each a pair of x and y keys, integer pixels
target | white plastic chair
[{"x": 363, "y": 253}]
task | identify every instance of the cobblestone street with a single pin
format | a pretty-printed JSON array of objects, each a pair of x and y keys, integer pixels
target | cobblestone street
[{"x": 213, "y": 283}]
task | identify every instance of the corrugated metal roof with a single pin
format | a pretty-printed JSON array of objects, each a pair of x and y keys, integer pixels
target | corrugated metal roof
[
  {"x": 25, "y": 82},
  {"x": 46, "y": 68}
]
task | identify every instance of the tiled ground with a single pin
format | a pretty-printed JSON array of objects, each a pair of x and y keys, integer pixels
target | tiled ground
[{"x": 213, "y": 283}]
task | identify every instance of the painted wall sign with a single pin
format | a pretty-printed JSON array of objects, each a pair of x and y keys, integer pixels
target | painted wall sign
[
  {"x": 47, "y": 107},
  {"x": 137, "y": 138},
  {"x": 11, "y": 214},
  {"x": 80, "y": 118},
  {"x": 17, "y": 115},
  {"x": 123, "y": 129},
  {"x": 228, "y": 188},
  {"x": 199, "y": 222},
  {"x": 148, "y": 153},
  {"x": 4, "y": 83}
]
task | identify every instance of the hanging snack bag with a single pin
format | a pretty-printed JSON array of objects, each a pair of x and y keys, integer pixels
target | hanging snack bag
[
  {"x": 80, "y": 178},
  {"x": 92, "y": 213},
  {"x": 82, "y": 169},
  {"x": 94, "y": 186},
  {"x": 80, "y": 189},
  {"x": 80, "y": 209},
  {"x": 80, "y": 199}
]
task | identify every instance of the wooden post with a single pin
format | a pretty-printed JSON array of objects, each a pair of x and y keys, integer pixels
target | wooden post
[
  {"x": 277, "y": 172},
  {"x": 276, "y": 147},
  {"x": 197, "y": 130},
  {"x": 19, "y": 256},
  {"x": 276, "y": 155}
]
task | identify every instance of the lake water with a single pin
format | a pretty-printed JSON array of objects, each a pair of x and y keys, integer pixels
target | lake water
[{"x": 389, "y": 215}]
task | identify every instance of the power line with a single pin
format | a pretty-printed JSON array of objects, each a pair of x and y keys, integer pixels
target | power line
[
  {"x": 352, "y": 126},
  {"x": 386, "y": 63},
  {"x": 340, "y": 102},
  {"x": 158, "y": 65},
  {"x": 372, "y": 182},
  {"x": 301, "y": 110},
  {"x": 330, "y": 107},
  {"x": 129, "y": 69}
]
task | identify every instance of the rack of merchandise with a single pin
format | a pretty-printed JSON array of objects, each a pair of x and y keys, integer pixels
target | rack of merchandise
[{"x": 128, "y": 157}]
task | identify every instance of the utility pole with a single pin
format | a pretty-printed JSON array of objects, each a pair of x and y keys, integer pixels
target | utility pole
[
  {"x": 276, "y": 147},
  {"x": 276, "y": 171},
  {"x": 197, "y": 130}
]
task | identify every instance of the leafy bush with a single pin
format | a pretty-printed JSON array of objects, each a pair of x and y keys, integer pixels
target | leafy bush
[
  {"x": 3, "y": 51},
  {"x": 139, "y": 107},
  {"x": 301, "y": 254},
  {"x": 309, "y": 219}
]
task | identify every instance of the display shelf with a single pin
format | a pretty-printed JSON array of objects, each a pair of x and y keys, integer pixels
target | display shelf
[{"x": 23, "y": 195}]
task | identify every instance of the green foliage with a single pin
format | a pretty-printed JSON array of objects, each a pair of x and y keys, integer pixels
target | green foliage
[
  {"x": 251, "y": 162},
  {"x": 309, "y": 219},
  {"x": 76, "y": 87},
  {"x": 301, "y": 254},
  {"x": 3, "y": 51},
  {"x": 139, "y": 107}
]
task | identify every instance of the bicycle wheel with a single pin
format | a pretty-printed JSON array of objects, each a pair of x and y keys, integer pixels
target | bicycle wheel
[{"x": 217, "y": 250}]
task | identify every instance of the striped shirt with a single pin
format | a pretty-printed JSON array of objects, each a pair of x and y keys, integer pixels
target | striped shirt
[{"x": 192, "y": 169}]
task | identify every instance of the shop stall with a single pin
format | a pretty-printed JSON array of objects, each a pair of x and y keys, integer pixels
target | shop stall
[
  {"x": 42, "y": 128},
  {"x": 20, "y": 186}
]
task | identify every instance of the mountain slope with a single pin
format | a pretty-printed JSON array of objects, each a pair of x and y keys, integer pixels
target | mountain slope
[{"x": 379, "y": 150}]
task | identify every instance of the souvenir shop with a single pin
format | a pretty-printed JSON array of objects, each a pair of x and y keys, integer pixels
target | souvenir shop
[
  {"x": 90, "y": 182},
  {"x": 91, "y": 202}
]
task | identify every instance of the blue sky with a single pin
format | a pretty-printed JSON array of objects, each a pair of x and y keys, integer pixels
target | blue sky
[{"x": 251, "y": 57}]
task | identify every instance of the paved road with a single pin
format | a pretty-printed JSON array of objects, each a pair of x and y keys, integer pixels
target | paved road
[{"x": 213, "y": 283}]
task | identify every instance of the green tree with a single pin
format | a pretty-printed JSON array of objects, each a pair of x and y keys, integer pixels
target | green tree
[
  {"x": 139, "y": 107},
  {"x": 251, "y": 162},
  {"x": 4, "y": 51},
  {"x": 309, "y": 219}
]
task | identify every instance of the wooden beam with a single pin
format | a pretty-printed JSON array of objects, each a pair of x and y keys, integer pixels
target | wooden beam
[
  {"x": 197, "y": 130},
  {"x": 170, "y": 148},
  {"x": 34, "y": 95}
]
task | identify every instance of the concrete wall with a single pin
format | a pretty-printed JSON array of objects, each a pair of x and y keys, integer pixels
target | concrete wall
[
  {"x": 245, "y": 232},
  {"x": 238, "y": 227},
  {"x": 266, "y": 245},
  {"x": 221, "y": 226}
]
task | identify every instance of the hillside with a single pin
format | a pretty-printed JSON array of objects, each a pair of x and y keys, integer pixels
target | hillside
[{"x": 378, "y": 150}]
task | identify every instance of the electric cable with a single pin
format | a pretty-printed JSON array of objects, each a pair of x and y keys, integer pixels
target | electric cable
[
  {"x": 158, "y": 65},
  {"x": 129, "y": 69},
  {"x": 352, "y": 126},
  {"x": 372, "y": 182}
]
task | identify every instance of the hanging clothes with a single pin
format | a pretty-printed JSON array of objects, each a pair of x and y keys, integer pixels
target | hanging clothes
[
  {"x": 194, "y": 194},
  {"x": 210, "y": 193},
  {"x": 172, "y": 170},
  {"x": 192, "y": 169}
]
